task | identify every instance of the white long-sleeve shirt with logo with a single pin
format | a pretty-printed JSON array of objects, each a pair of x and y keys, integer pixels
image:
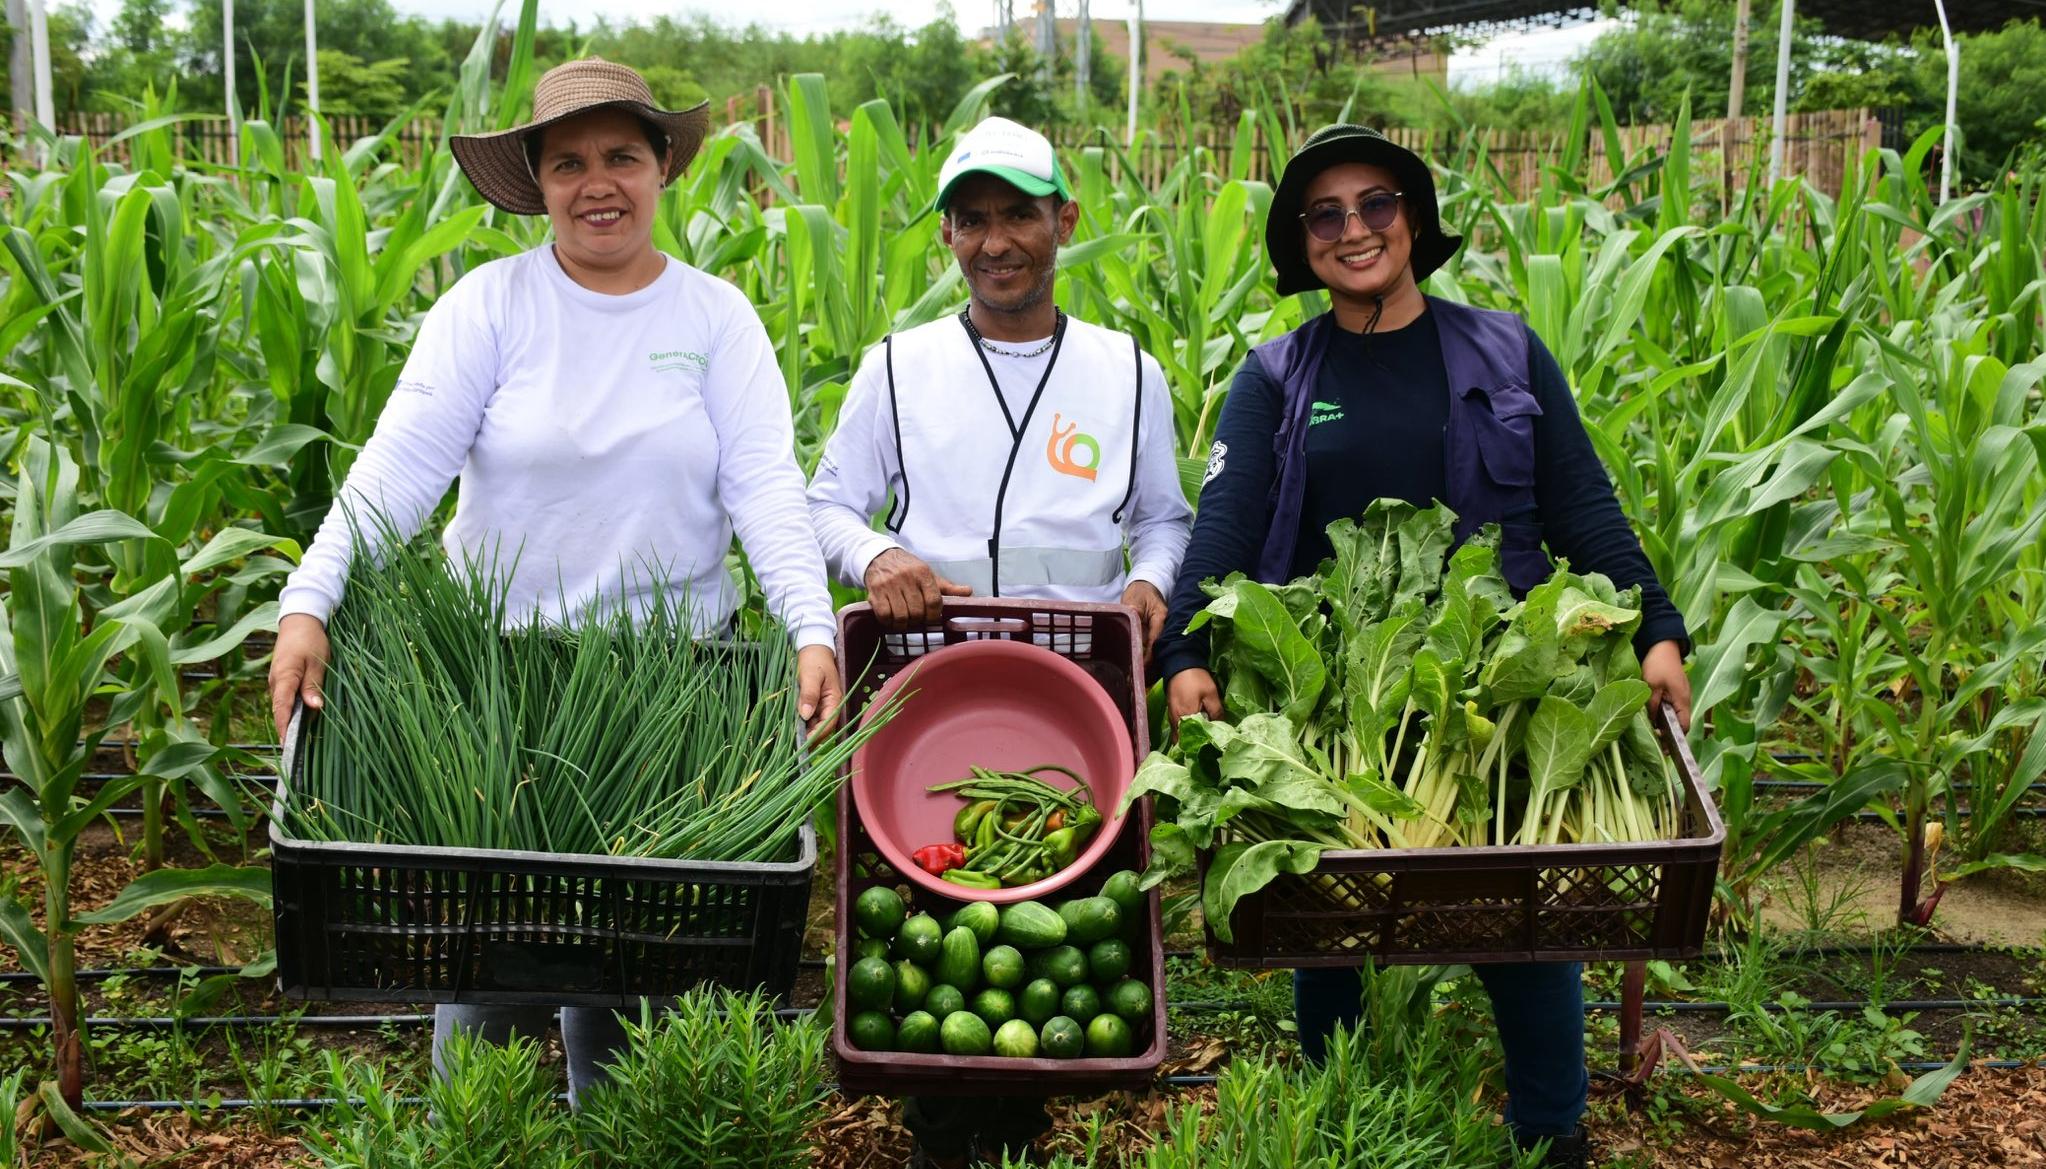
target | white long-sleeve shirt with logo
[{"x": 610, "y": 443}]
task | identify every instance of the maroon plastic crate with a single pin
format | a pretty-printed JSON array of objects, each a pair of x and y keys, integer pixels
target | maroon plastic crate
[
  {"x": 1103, "y": 640},
  {"x": 1518, "y": 903}
]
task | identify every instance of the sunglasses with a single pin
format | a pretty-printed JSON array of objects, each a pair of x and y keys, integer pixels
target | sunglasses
[{"x": 1327, "y": 223}]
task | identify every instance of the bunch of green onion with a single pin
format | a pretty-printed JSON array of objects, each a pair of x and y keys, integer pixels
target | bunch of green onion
[{"x": 450, "y": 722}]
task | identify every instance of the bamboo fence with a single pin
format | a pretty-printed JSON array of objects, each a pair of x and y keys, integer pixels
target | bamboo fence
[{"x": 1822, "y": 146}]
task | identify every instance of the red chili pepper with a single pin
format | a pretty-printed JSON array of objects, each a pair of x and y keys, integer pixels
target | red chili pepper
[{"x": 935, "y": 859}]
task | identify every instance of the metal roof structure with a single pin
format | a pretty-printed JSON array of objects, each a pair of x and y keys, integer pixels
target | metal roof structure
[{"x": 1389, "y": 21}]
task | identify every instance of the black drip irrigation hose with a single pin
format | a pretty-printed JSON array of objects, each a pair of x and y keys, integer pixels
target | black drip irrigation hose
[
  {"x": 125, "y": 972},
  {"x": 335, "y": 1022},
  {"x": 320, "y": 1103},
  {"x": 1722, "y": 1008}
]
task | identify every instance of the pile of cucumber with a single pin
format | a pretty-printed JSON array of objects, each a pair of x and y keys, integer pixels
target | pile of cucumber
[{"x": 1025, "y": 981}]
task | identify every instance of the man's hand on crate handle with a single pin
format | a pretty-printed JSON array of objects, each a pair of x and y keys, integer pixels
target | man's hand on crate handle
[
  {"x": 904, "y": 591},
  {"x": 1144, "y": 597},
  {"x": 297, "y": 666},
  {"x": 1194, "y": 691},
  {"x": 817, "y": 674},
  {"x": 1663, "y": 670}
]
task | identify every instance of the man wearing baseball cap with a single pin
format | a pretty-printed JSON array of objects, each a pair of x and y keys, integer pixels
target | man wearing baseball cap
[{"x": 1008, "y": 451}]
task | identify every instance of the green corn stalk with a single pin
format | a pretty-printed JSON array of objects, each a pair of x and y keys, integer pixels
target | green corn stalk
[{"x": 56, "y": 658}]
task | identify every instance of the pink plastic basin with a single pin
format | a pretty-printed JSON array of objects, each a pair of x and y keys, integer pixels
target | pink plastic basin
[{"x": 1005, "y": 705}]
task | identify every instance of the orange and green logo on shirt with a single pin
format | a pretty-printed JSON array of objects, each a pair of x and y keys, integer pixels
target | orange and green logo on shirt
[{"x": 1065, "y": 447}]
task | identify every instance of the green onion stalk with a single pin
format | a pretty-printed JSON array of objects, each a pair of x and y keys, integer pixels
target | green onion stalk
[{"x": 448, "y": 722}]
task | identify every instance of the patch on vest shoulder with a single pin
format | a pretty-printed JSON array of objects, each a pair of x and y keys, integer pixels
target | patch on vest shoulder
[{"x": 1218, "y": 458}]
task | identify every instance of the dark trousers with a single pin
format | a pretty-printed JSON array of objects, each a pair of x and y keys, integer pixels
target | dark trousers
[{"x": 1538, "y": 1008}]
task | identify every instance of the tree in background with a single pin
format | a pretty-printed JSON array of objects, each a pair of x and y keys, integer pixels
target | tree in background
[
  {"x": 1669, "y": 48},
  {"x": 1296, "y": 65},
  {"x": 1665, "y": 50},
  {"x": 272, "y": 33}
]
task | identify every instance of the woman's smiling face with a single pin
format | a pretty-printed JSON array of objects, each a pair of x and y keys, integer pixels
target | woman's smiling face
[
  {"x": 601, "y": 179},
  {"x": 1364, "y": 263}
]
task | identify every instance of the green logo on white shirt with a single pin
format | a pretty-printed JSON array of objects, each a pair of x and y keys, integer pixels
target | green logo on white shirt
[{"x": 678, "y": 361}]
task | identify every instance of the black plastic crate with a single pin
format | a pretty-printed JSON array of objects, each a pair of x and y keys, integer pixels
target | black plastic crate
[
  {"x": 392, "y": 923},
  {"x": 1513, "y": 903}
]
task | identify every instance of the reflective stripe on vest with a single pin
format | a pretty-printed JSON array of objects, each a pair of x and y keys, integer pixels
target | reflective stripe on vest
[{"x": 1024, "y": 568}]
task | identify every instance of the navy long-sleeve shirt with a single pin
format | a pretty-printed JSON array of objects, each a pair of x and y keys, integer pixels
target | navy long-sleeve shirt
[{"x": 1380, "y": 407}]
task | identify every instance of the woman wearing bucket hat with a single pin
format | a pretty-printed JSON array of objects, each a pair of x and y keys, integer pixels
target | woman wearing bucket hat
[
  {"x": 614, "y": 415},
  {"x": 1396, "y": 394}
]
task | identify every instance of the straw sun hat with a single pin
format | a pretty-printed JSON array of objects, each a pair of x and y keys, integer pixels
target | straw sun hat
[{"x": 496, "y": 163}]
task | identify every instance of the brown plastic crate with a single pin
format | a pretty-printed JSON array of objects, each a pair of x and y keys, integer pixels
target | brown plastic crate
[
  {"x": 1103, "y": 640},
  {"x": 1520, "y": 903}
]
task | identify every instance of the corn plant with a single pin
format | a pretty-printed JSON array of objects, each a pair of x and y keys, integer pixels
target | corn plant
[{"x": 56, "y": 659}]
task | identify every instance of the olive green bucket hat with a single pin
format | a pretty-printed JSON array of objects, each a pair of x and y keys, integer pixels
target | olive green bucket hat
[{"x": 1285, "y": 239}]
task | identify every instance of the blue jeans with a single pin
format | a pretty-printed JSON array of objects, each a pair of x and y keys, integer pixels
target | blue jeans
[{"x": 1538, "y": 1008}]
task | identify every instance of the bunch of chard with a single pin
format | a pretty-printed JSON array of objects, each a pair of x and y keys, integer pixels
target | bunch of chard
[{"x": 1401, "y": 697}]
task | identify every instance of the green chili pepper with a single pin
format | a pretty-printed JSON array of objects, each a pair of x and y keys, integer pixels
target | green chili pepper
[
  {"x": 969, "y": 818},
  {"x": 985, "y": 828},
  {"x": 1028, "y": 874},
  {"x": 970, "y": 879},
  {"x": 1062, "y": 846}
]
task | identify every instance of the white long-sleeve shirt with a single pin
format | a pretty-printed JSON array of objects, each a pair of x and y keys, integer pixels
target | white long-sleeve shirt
[
  {"x": 861, "y": 461},
  {"x": 610, "y": 443}
]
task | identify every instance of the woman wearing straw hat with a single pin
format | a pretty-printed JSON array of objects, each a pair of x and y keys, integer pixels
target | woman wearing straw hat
[
  {"x": 1400, "y": 395},
  {"x": 613, "y": 414}
]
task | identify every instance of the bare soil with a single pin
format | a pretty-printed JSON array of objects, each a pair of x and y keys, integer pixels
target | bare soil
[{"x": 1857, "y": 875}]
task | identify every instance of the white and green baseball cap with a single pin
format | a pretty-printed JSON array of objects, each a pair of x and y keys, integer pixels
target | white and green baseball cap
[{"x": 1009, "y": 151}]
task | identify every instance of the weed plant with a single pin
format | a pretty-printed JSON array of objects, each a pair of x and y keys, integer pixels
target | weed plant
[
  {"x": 1422, "y": 1108},
  {"x": 1408, "y": 1088},
  {"x": 718, "y": 1082}
]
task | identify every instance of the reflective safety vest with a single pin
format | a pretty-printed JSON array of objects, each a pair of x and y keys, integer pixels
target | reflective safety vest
[{"x": 1026, "y": 502}]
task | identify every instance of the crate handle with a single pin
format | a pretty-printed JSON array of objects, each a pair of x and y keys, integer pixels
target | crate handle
[{"x": 987, "y": 624}]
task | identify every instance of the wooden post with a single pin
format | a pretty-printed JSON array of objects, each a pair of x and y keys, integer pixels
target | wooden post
[
  {"x": 1633, "y": 990},
  {"x": 1737, "y": 85}
]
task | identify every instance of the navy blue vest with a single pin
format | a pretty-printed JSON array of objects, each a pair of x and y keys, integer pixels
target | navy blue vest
[{"x": 1488, "y": 447}]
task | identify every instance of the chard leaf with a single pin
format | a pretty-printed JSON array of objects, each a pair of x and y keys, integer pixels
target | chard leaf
[
  {"x": 1244, "y": 693},
  {"x": 1528, "y": 655},
  {"x": 1478, "y": 727},
  {"x": 1267, "y": 757},
  {"x": 1172, "y": 855},
  {"x": 1223, "y": 605},
  {"x": 1434, "y": 684},
  {"x": 1424, "y": 540},
  {"x": 1583, "y": 620},
  {"x": 1612, "y": 708},
  {"x": 1482, "y": 581},
  {"x": 1268, "y": 640},
  {"x": 1376, "y": 678},
  {"x": 1240, "y": 869},
  {"x": 1198, "y": 730},
  {"x": 1158, "y": 775},
  {"x": 1558, "y": 744},
  {"x": 1383, "y": 798},
  {"x": 1576, "y": 685},
  {"x": 1302, "y": 599},
  {"x": 1648, "y": 769}
]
